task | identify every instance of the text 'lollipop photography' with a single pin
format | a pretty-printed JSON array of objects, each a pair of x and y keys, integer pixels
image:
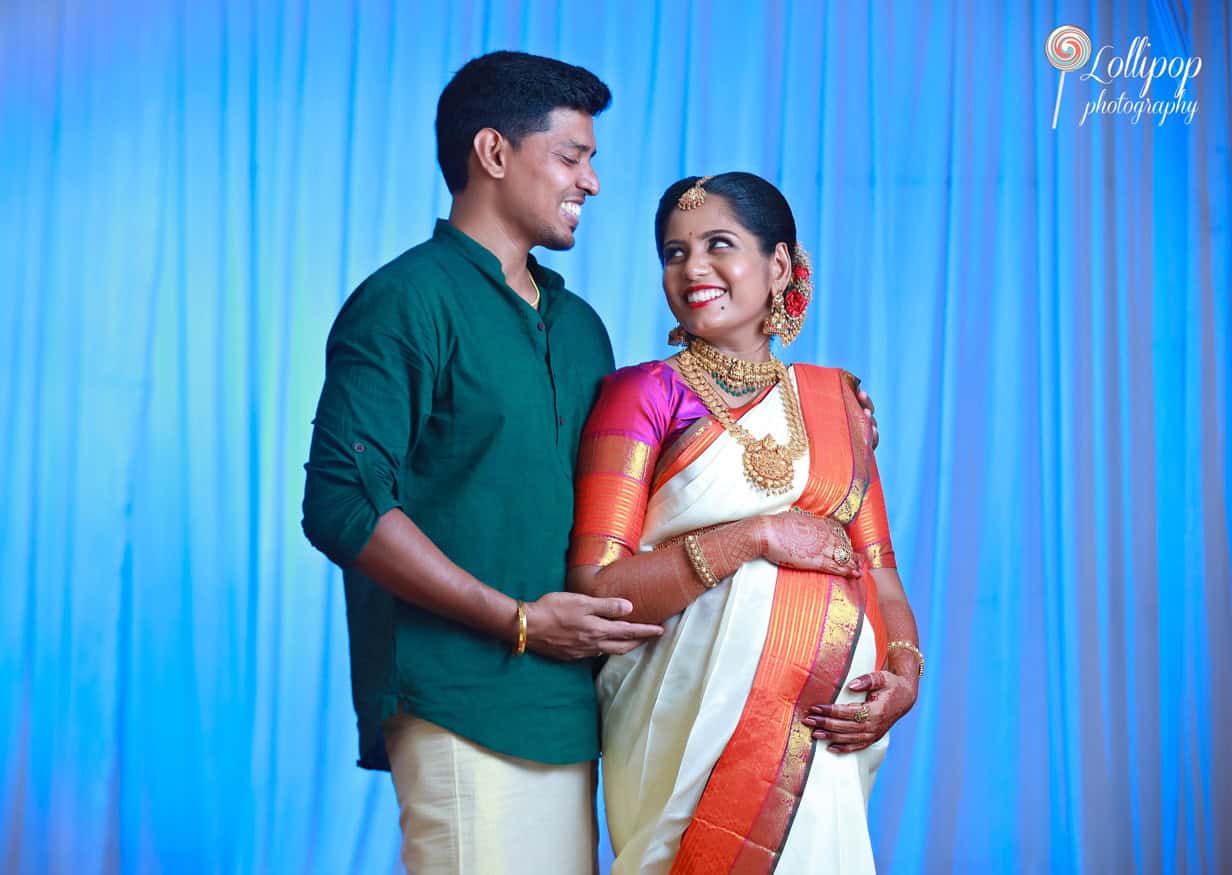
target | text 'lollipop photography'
[{"x": 1126, "y": 78}]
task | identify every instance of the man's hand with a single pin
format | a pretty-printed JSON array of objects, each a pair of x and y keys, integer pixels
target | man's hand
[
  {"x": 569, "y": 625},
  {"x": 867, "y": 403},
  {"x": 810, "y": 543}
]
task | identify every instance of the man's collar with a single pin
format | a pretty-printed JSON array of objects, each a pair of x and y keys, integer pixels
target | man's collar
[{"x": 549, "y": 281}]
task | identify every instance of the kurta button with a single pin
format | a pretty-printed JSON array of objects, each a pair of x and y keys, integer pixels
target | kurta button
[
  {"x": 540, "y": 326},
  {"x": 358, "y": 446},
  {"x": 560, "y": 420}
]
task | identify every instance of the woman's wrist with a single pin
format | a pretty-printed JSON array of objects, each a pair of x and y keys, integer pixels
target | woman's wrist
[
  {"x": 756, "y": 534},
  {"x": 904, "y": 664},
  {"x": 730, "y": 546},
  {"x": 759, "y": 531}
]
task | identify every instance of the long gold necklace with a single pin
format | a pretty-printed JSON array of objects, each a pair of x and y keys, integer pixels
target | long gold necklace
[{"x": 768, "y": 465}]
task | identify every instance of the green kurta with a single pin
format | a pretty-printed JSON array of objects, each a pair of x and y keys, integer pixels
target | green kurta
[{"x": 448, "y": 396}]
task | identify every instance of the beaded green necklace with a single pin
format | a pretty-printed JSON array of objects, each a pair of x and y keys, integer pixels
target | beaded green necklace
[{"x": 729, "y": 389}]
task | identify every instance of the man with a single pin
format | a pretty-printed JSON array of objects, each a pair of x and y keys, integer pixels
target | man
[{"x": 458, "y": 378}]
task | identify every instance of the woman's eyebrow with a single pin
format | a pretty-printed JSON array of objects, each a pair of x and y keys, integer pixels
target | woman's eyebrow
[{"x": 704, "y": 235}]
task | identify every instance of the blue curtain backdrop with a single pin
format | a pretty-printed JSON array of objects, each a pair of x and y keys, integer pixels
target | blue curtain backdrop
[{"x": 188, "y": 191}]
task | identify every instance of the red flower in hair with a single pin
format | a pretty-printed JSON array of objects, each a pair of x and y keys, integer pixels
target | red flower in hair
[
  {"x": 794, "y": 303},
  {"x": 800, "y": 272}
]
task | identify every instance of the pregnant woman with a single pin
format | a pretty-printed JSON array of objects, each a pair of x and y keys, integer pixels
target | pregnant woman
[{"x": 736, "y": 500}]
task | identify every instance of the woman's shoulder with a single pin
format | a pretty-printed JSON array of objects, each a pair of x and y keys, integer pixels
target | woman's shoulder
[
  {"x": 639, "y": 398},
  {"x": 820, "y": 373},
  {"x": 834, "y": 391},
  {"x": 653, "y": 377}
]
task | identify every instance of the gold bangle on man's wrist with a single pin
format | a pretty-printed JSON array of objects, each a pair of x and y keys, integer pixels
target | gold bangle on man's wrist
[
  {"x": 907, "y": 645},
  {"x": 520, "y": 647}
]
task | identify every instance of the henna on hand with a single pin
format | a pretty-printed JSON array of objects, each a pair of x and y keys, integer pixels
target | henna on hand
[
  {"x": 728, "y": 547},
  {"x": 890, "y": 697},
  {"x": 808, "y": 542},
  {"x": 663, "y": 582}
]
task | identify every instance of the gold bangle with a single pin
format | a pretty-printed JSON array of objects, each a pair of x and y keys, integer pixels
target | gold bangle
[
  {"x": 907, "y": 645},
  {"x": 693, "y": 549},
  {"x": 520, "y": 647}
]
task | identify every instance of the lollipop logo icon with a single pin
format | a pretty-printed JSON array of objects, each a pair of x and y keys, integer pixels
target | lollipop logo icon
[{"x": 1068, "y": 49}]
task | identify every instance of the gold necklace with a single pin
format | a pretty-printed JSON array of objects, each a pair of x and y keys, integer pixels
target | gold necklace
[
  {"x": 767, "y": 464},
  {"x": 535, "y": 305},
  {"x": 736, "y": 375}
]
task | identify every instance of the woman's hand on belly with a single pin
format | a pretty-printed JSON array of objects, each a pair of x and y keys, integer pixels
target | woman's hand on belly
[
  {"x": 811, "y": 543},
  {"x": 890, "y": 697}
]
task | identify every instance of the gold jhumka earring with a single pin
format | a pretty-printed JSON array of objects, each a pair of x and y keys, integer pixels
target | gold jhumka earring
[{"x": 787, "y": 309}]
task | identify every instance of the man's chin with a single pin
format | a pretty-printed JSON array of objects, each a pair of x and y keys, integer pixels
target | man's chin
[{"x": 557, "y": 241}]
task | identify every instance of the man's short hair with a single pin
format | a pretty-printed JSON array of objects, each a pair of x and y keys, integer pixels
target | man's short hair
[{"x": 512, "y": 92}]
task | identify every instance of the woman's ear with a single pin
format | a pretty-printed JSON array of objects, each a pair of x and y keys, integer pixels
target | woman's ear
[{"x": 780, "y": 268}]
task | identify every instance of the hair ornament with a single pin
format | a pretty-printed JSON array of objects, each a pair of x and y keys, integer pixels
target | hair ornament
[{"x": 694, "y": 196}]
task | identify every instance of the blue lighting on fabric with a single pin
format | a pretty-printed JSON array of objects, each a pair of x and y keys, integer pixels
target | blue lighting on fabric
[{"x": 1043, "y": 317}]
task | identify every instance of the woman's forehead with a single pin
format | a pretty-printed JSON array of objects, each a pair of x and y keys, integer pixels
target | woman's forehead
[{"x": 713, "y": 215}]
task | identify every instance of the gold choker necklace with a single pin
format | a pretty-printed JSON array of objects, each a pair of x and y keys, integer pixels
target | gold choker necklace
[
  {"x": 767, "y": 464},
  {"x": 738, "y": 376}
]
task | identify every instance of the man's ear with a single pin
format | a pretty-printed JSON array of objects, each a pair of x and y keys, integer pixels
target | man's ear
[{"x": 491, "y": 150}]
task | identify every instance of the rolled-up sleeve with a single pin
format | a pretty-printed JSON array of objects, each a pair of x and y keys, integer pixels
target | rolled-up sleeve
[{"x": 376, "y": 399}]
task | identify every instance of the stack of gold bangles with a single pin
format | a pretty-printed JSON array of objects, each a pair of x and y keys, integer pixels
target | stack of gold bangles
[{"x": 907, "y": 645}]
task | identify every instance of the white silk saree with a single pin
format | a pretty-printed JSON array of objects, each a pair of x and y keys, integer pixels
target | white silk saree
[{"x": 707, "y": 766}]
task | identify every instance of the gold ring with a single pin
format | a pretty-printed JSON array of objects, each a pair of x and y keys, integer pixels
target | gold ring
[
  {"x": 841, "y": 554},
  {"x": 861, "y": 715}
]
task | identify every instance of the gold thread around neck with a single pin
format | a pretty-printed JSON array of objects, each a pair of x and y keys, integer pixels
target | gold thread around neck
[{"x": 534, "y": 304}]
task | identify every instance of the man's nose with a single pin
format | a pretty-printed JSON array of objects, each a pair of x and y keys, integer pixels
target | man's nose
[{"x": 589, "y": 181}]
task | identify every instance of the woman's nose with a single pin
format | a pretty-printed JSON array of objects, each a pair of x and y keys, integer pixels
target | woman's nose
[{"x": 696, "y": 266}]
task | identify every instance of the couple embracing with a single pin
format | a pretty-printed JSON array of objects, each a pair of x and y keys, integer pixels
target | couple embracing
[{"x": 506, "y": 509}]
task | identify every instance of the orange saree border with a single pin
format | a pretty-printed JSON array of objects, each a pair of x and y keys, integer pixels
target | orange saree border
[
  {"x": 687, "y": 450},
  {"x": 695, "y": 441},
  {"x": 745, "y": 813},
  {"x": 609, "y": 512},
  {"x": 840, "y": 445}
]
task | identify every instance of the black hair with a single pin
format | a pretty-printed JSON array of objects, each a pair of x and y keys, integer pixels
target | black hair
[
  {"x": 512, "y": 92},
  {"x": 757, "y": 205}
]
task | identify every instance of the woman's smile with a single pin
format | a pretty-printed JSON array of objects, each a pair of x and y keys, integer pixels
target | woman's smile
[{"x": 700, "y": 295}]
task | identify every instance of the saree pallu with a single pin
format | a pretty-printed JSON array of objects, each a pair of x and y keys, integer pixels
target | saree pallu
[{"x": 707, "y": 767}]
